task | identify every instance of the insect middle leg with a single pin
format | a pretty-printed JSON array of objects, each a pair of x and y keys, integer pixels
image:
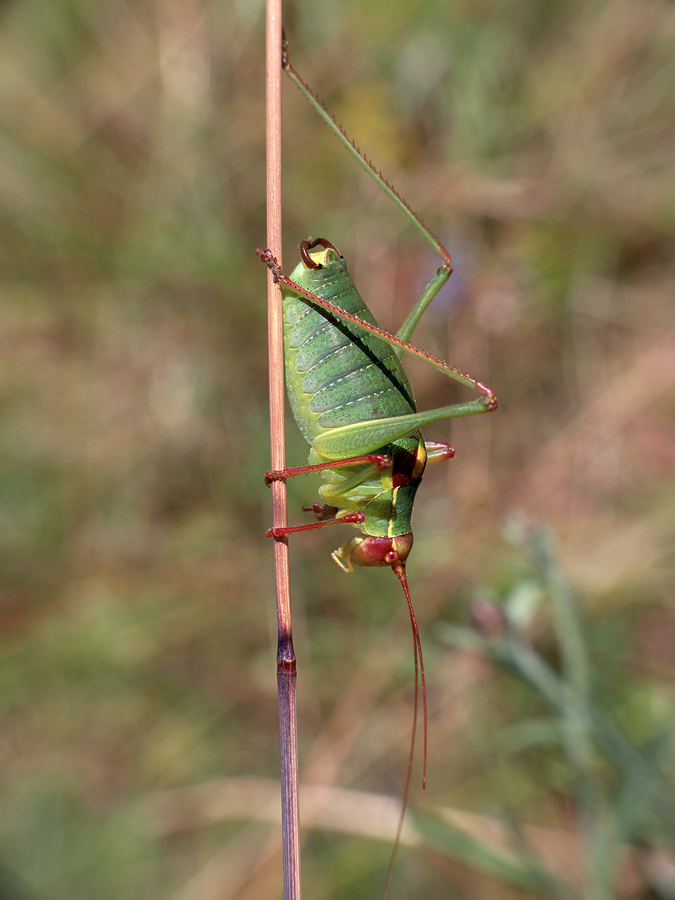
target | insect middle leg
[
  {"x": 373, "y": 462},
  {"x": 380, "y": 461},
  {"x": 438, "y": 452}
]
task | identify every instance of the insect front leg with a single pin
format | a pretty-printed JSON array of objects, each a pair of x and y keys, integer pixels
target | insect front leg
[
  {"x": 348, "y": 518},
  {"x": 325, "y": 513}
]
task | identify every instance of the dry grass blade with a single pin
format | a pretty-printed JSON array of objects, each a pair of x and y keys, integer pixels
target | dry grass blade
[{"x": 286, "y": 673}]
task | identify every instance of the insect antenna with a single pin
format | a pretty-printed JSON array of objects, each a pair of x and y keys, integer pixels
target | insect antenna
[{"x": 399, "y": 569}]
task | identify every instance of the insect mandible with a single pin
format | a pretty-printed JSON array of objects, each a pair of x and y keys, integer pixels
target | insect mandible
[{"x": 353, "y": 402}]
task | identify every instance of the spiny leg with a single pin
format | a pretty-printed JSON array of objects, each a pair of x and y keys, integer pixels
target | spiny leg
[
  {"x": 439, "y": 278},
  {"x": 380, "y": 461},
  {"x": 340, "y": 488},
  {"x": 362, "y": 160},
  {"x": 353, "y": 518},
  {"x": 489, "y": 401},
  {"x": 404, "y": 333},
  {"x": 438, "y": 451}
]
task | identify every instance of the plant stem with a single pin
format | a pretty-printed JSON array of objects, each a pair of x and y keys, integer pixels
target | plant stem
[{"x": 286, "y": 671}]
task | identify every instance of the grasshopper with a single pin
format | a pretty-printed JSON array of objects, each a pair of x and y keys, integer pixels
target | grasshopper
[{"x": 354, "y": 405}]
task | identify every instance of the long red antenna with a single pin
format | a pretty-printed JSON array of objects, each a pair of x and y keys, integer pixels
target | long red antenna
[{"x": 399, "y": 569}]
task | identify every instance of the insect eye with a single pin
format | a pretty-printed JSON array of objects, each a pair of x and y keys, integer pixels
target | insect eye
[{"x": 391, "y": 557}]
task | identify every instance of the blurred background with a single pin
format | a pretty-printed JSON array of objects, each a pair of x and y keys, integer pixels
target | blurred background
[{"x": 138, "y": 711}]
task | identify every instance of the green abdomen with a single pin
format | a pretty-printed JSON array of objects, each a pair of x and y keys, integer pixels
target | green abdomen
[{"x": 336, "y": 374}]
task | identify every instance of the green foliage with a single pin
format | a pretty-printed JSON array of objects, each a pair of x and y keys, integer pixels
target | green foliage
[{"x": 621, "y": 789}]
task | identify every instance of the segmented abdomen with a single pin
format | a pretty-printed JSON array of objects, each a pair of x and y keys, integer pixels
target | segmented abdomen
[{"x": 337, "y": 374}]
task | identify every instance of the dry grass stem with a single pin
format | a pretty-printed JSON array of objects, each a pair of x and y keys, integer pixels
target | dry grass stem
[{"x": 286, "y": 675}]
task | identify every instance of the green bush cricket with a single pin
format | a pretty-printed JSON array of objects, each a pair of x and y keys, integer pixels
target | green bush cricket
[{"x": 353, "y": 402}]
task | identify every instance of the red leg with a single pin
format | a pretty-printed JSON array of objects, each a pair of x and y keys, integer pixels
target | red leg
[
  {"x": 436, "y": 452},
  {"x": 383, "y": 462},
  {"x": 489, "y": 401},
  {"x": 354, "y": 518},
  {"x": 321, "y": 510}
]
